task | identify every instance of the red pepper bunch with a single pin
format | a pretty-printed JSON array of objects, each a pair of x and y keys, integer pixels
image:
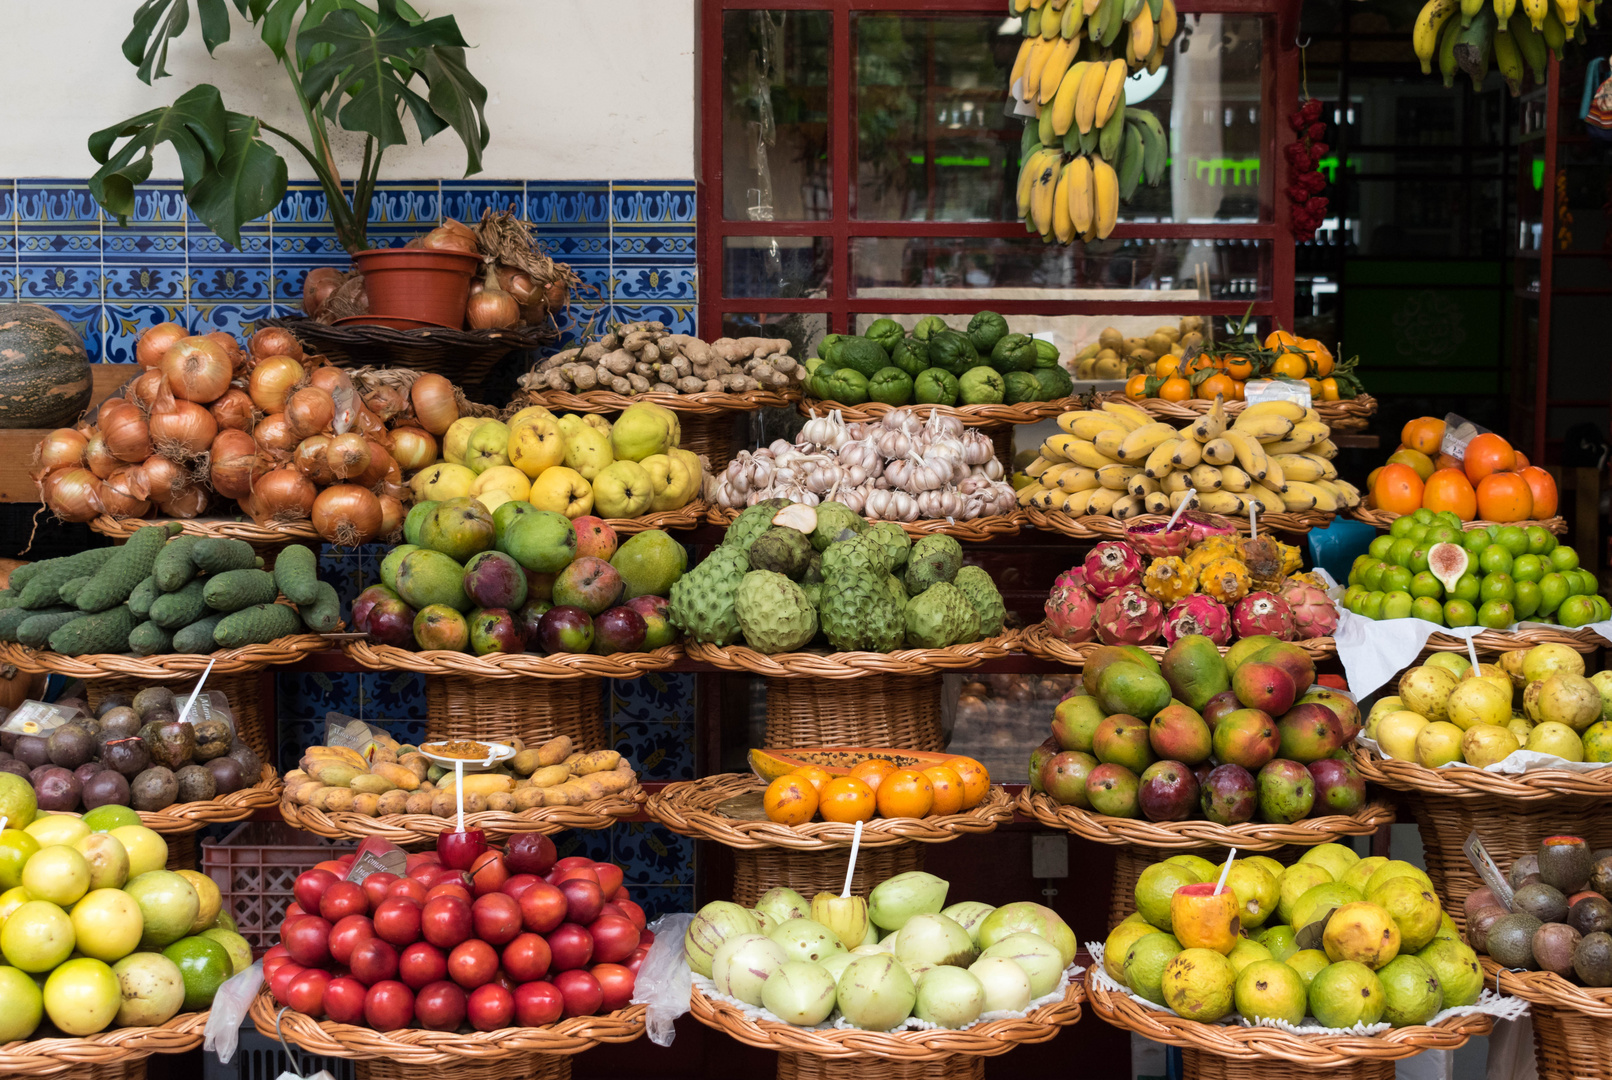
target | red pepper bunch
[{"x": 1305, "y": 182}]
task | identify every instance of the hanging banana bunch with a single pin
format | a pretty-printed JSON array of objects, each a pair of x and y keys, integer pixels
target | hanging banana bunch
[
  {"x": 1086, "y": 150},
  {"x": 1513, "y": 36}
]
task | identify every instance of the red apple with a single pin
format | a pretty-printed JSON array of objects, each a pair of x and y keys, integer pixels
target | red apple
[
  {"x": 488, "y": 873},
  {"x": 575, "y": 873},
  {"x": 376, "y": 886},
  {"x": 614, "y": 939},
  {"x": 527, "y": 958},
  {"x": 542, "y": 907},
  {"x": 538, "y": 1004},
  {"x": 374, "y": 961},
  {"x": 609, "y": 875},
  {"x": 421, "y": 964},
  {"x": 440, "y": 1006},
  {"x": 306, "y": 993},
  {"x": 530, "y": 853},
  {"x": 472, "y": 963},
  {"x": 571, "y": 945},
  {"x": 344, "y": 1000},
  {"x": 496, "y": 917},
  {"x": 408, "y": 889},
  {"x": 397, "y": 920},
  {"x": 389, "y": 1006},
  {"x": 490, "y": 1008},
  {"x": 446, "y": 921},
  {"x": 518, "y": 884},
  {"x": 634, "y": 913},
  {"x": 449, "y": 888},
  {"x": 347, "y": 933},
  {"x": 308, "y": 941},
  {"x": 616, "y": 983},
  {"x": 583, "y": 899},
  {"x": 342, "y": 899},
  {"x": 310, "y": 886},
  {"x": 280, "y": 985},
  {"x": 581, "y": 991}
]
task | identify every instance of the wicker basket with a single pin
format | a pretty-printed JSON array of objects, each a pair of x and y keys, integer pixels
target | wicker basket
[
  {"x": 497, "y": 710},
  {"x": 504, "y": 667},
  {"x": 185, "y": 818},
  {"x": 266, "y": 540},
  {"x": 1382, "y": 519},
  {"x": 811, "y": 872},
  {"x": 1571, "y": 1040},
  {"x": 1351, "y": 415},
  {"x": 165, "y": 666},
  {"x": 812, "y": 1067},
  {"x": 182, "y": 851},
  {"x": 514, "y": 1067},
  {"x": 1494, "y": 642},
  {"x": 413, "y": 830},
  {"x": 465, "y": 356},
  {"x": 1041, "y": 640},
  {"x": 1107, "y": 527},
  {"x": 242, "y": 689},
  {"x": 899, "y": 710},
  {"x": 980, "y": 416},
  {"x": 1542, "y": 785},
  {"x": 976, "y": 530},
  {"x": 1180, "y": 836},
  {"x": 694, "y": 808},
  {"x": 853, "y": 665},
  {"x": 686, "y": 517},
  {"x": 114, "y": 1054}
]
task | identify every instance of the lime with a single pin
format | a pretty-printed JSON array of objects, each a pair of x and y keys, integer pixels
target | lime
[
  {"x": 1372, "y": 578},
  {"x": 1496, "y": 614},
  {"x": 1527, "y": 599},
  {"x": 25, "y": 1004},
  {"x": 1396, "y": 577},
  {"x": 1372, "y": 606},
  {"x": 1540, "y": 540},
  {"x": 1423, "y": 516},
  {"x": 1396, "y": 605},
  {"x": 1553, "y": 589},
  {"x": 1528, "y": 568},
  {"x": 1427, "y": 607},
  {"x": 1460, "y": 613},
  {"x": 1576, "y": 611},
  {"x": 1513, "y": 539},
  {"x": 1476, "y": 541},
  {"x": 17, "y": 802},
  {"x": 1425, "y": 584},
  {"x": 1497, "y": 587},
  {"x": 1495, "y": 559},
  {"x": 16, "y": 848},
  {"x": 1399, "y": 554},
  {"x": 1380, "y": 545},
  {"x": 1466, "y": 588},
  {"x": 204, "y": 964},
  {"x": 1443, "y": 534},
  {"x": 109, "y": 817}
]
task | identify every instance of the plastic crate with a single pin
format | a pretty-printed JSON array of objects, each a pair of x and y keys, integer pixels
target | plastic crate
[
  {"x": 263, "y": 1057},
  {"x": 255, "y": 867}
]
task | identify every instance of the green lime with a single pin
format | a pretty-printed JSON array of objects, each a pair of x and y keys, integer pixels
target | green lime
[
  {"x": 1418, "y": 558},
  {"x": 1372, "y": 576},
  {"x": 1425, "y": 584},
  {"x": 1460, "y": 613},
  {"x": 1396, "y": 605},
  {"x": 1528, "y": 568},
  {"x": 1528, "y": 597},
  {"x": 1396, "y": 577},
  {"x": 1400, "y": 553},
  {"x": 1443, "y": 534},
  {"x": 1417, "y": 533},
  {"x": 1513, "y": 539},
  {"x": 1466, "y": 588},
  {"x": 1553, "y": 589},
  {"x": 1564, "y": 558},
  {"x": 1380, "y": 545},
  {"x": 1603, "y": 608},
  {"x": 1540, "y": 540},
  {"x": 1428, "y": 608},
  {"x": 1497, "y": 587},
  {"x": 204, "y": 964},
  {"x": 1576, "y": 611},
  {"x": 1401, "y": 526},
  {"x": 109, "y": 817},
  {"x": 1450, "y": 518},
  {"x": 1496, "y": 614},
  {"x": 1475, "y": 541},
  {"x": 1372, "y": 606},
  {"x": 1495, "y": 559}
]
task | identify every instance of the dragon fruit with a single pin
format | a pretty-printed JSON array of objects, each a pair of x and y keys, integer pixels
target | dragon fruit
[
  {"x": 1153, "y": 539},
  {"x": 1071, "y": 612},
  {"x": 1076, "y": 577},
  {"x": 1198, "y": 614},
  {"x": 1314, "y": 614},
  {"x": 1110, "y": 567},
  {"x": 1129, "y": 617},
  {"x": 1263, "y": 613},
  {"x": 1204, "y": 526}
]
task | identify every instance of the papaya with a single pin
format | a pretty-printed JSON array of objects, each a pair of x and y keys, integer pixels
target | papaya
[{"x": 769, "y": 765}]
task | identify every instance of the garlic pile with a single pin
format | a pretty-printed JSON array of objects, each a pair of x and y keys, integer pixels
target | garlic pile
[{"x": 898, "y": 469}]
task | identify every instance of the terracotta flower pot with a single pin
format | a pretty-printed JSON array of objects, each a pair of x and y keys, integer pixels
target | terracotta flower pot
[{"x": 424, "y": 286}]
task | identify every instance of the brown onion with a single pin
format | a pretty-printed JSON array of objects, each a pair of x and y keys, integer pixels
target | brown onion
[
  {"x": 412, "y": 448},
  {"x": 72, "y": 494},
  {"x": 282, "y": 494},
  {"x": 234, "y": 410},
  {"x": 126, "y": 433},
  {"x": 381, "y": 465},
  {"x": 235, "y": 463},
  {"x": 557, "y": 293},
  {"x": 184, "y": 431},
  {"x": 330, "y": 379},
  {"x": 385, "y": 401},
  {"x": 392, "y": 514},
  {"x": 370, "y": 426},
  {"x": 310, "y": 458},
  {"x": 442, "y": 238},
  {"x": 317, "y": 287},
  {"x": 347, "y": 515},
  {"x": 434, "y": 404},
  {"x": 158, "y": 340},
  {"x": 274, "y": 341},
  {"x": 149, "y": 390},
  {"x": 517, "y": 283},
  {"x": 61, "y": 449},
  {"x": 187, "y": 504},
  {"x": 98, "y": 459},
  {"x": 198, "y": 369},
  {"x": 105, "y": 408},
  {"x": 125, "y": 493},
  {"x": 272, "y": 382},
  {"x": 348, "y": 455},
  {"x": 309, "y": 411},
  {"x": 492, "y": 308},
  {"x": 274, "y": 435},
  {"x": 164, "y": 478}
]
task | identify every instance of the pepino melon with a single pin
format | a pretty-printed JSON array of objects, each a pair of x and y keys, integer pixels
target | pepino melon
[{"x": 44, "y": 371}]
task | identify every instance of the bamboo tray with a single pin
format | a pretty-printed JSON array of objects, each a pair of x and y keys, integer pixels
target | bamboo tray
[
  {"x": 1191, "y": 835},
  {"x": 513, "y": 665},
  {"x": 1107, "y": 527},
  {"x": 853, "y": 665},
  {"x": 248, "y": 658},
  {"x": 1540, "y": 785},
  {"x": 1027, "y": 412},
  {"x": 1382, "y": 519},
  {"x": 1350, "y": 415},
  {"x": 406, "y": 829},
  {"x": 63, "y": 1056},
  {"x": 694, "y": 808},
  {"x": 1040, "y": 640}
]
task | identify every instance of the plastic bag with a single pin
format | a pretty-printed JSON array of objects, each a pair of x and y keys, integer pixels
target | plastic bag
[
  {"x": 664, "y": 981},
  {"x": 230, "y": 1004}
]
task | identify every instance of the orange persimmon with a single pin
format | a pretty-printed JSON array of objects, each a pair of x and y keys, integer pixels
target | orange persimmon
[
  {"x": 1485, "y": 454},
  {"x": 1505, "y": 496},
  {"x": 1543, "y": 486},
  {"x": 1397, "y": 489},
  {"x": 1449, "y": 489}
]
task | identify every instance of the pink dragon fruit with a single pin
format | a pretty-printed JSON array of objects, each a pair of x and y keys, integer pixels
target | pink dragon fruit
[
  {"x": 1110, "y": 567},
  {"x": 1263, "y": 613},
  {"x": 1152, "y": 538},
  {"x": 1204, "y": 526},
  {"x": 1129, "y": 617},
  {"x": 1075, "y": 577},
  {"x": 1314, "y": 614},
  {"x": 1198, "y": 614},
  {"x": 1071, "y": 612}
]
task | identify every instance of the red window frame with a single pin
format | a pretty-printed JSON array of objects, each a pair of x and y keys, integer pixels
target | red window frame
[{"x": 1280, "y": 68}]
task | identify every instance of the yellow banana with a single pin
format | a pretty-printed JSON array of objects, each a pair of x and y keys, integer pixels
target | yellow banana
[
  {"x": 1040, "y": 53},
  {"x": 1269, "y": 502},
  {"x": 1222, "y": 502},
  {"x": 1162, "y": 459},
  {"x": 1056, "y": 447},
  {"x": 1325, "y": 448},
  {"x": 1129, "y": 506},
  {"x": 1567, "y": 11},
  {"x": 1469, "y": 10},
  {"x": 1234, "y": 479},
  {"x": 1205, "y": 478},
  {"x": 1141, "y": 442},
  {"x": 1063, "y": 228},
  {"x": 1188, "y": 452},
  {"x": 1167, "y": 23},
  {"x": 1082, "y": 207},
  {"x": 1210, "y": 425},
  {"x": 1063, "y": 103},
  {"x": 1142, "y": 34},
  {"x": 1025, "y": 496},
  {"x": 1105, "y": 196},
  {"x": 1049, "y": 479},
  {"x": 1249, "y": 454},
  {"x": 1102, "y": 501},
  {"x": 1429, "y": 21},
  {"x": 1131, "y": 416},
  {"x": 1183, "y": 496},
  {"x": 1091, "y": 85},
  {"x": 1266, "y": 427},
  {"x": 1021, "y": 62},
  {"x": 1179, "y": 480},
  {"x": 1077, "y": 478},
  {"x": 1116, "y": 476},
  {"x": 1319, "y": 498},
  {"x": 1289, "y": 410},
  {"x": 1157, "y": 503},
  {"x": 1275, "y": 478},
  {"x": 1074, "y": 17},
  {"x": 1037, "y": 467},
  {"x": 1155, "y": 59},
  {"x": 1142, "y": 485},
  {"x": 1090, "y": 7},
  {"x": 1042, "y": 190},
  {"x": 1044, "y": 499},
  {"x": 1089, "y": 425},
  {"x": 1052, "y": 74},
  {"x": 1108, "y": 444},
  {"x": 1503, "y": 10},
  {"x": 1219, "y": 451},
  {"x": 1351, "y": 494},
  {"x": 1114, "y": 78},
  {"x": 1536, "y": 11},
  {"x": 1301, "y": 467}
]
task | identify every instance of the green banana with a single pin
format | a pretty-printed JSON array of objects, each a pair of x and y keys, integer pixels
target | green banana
[
  {"x": 1088, "y": 142},
  {"x": 1530, "y": 43},
  {"x": 1029, "y": 140},
  {"x": 1155, "y": 8},
  {"x": 1132, "y": 9},
  {"x": 1155, "y": 143},
  {"x": 1508, "y": 59},
  {"x": 1114, "y": 22},
  {"x": 1032, "y": 23},
  {"x": 1130, "y": 162},
  {"x": 1113, "y": 132},
  {"x": 1071, "y": 138},
  {"x": 1446, "y": 51},
  {"x": 1555, "y": 33},
  {"x": 1044, "y": 126},
  {"x": 1474, "y": 45}
]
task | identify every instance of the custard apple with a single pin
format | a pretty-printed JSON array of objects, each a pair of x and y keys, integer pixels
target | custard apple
[
  {"x": 701, "y": 601},
  {"x": 981, "y": 591},
  {"x": 814, "y": 568},
  {"x": 752, "y": 522},
  {"x": 940, "y": 617},
  {"x": 774, "y": 613},
  {"x": 855, "y": 552},
  {"x": 933, "y": 559},
  {"x": 898, "y": 591},
  {"x": 895, "y": 541},
  {"x": 813, "y": 591},
  {"x": 782, "y": 550},
  {"x": 858, "y": 609},
  {"x": 836, "y": 521}
]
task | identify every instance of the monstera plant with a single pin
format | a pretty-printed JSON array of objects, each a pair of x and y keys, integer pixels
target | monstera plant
[{"x": 355, "y": 65}]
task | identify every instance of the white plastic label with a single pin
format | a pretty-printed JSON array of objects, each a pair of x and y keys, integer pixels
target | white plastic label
[
  {"x": 1016, "y": 105},
  {"x": 1258, "y": 390},
  {"x": 1458, "y": 431}
]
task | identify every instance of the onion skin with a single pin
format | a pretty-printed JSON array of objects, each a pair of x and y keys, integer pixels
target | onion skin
[
  {"x": 392, "y": 514},
  {"x": 156, "y": 341},
  {"x": 312, "y": 460},
  {"x": 164, "y": 478},
  {"x": 310, "y": 411},
  {"x": 198, "y": 368},
  {"x": 123, "y": 494},
  {"x": 434, "y": 404},
  {"x": 518, "y": 283},
  {"x": 347, "y": 515},
  {"x": 385, "y": 402},
  {"x": 126, "y": 433},
  {"x": 413, "y": 449},
  {"x": 281, "y": 495},
  {"x": 379, "y": 468},
  {"x": 98, "y": 459},
  {"x": 185, "y": 431},
  {"x": 72, "y": 494},
  {"x": 348, "y": 455},
  {"x": 492, "y": 308},
  {"x": 150, "y": 390},
  {"x": 317, "y": 287},
  {"x": 234, "y": 410},
  {"x": 274, "y": 341},
  {"x": 235, "y": 464},
  {"x": 61, "y": 449},
  {"x": 273, "y": 381},
  {"x": 330, "y": 379},
  {"x": 191, "y": 502},
  {"x": 274, "y": 435}
]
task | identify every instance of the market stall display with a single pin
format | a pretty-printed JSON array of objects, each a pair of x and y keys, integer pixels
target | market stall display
[
  {"x": 1457, "y": 470},
  {"x": 1507, "y": 37}
]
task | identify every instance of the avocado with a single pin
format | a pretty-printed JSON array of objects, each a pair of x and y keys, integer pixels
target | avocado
[{"x": 1511, "y": 941}]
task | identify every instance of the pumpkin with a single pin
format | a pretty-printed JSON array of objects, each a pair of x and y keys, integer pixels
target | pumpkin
[{"x": 44, "y": 370}]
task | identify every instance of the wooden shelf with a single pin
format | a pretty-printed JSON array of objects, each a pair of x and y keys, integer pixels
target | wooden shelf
[{"x": 17, "y": 444}]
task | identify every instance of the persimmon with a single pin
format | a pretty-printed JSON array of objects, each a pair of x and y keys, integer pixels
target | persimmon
[
  {"x": 948, "y": 789},
  {"x": 1217, "y": 385},
  {"x": 790, "y": 800},
  {"x": 976, "y": 780},
  {"x": 1398, "y": 489},
  {"x": 1522, "y": 460},
  {"x": 873, "y": 771},
  {"x": 1505, "y": 496},
  {"x": 1175, "y": 388},
  {"x": 1425, "y": 433},
  {"x": 1543, "y": 487},
  {"x": 1449, "y": 489},
  {"x": 1446, "y": 461},
  {"x": 1485, "y": 454},
  {"x": 846, "y": 800},
  {"x": 1136, "y": 386},
  {"x": 905, "y": 793}
]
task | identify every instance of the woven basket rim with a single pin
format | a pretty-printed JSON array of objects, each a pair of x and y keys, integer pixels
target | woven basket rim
[
  {"x": 1105, "y": 527},
  {"x": 1548, "y": 989},
  {"x": 1040, "y": 640},
  {"x": 982, "y": 1040},
  {"x": 1026, "y": 412},
  {"x": 1341, "y": 415},
  {"x": 688, "y": 807},
  {"x": 1490, "y": 642},
  {"x": 1474, "y": 784},
  {"x": 1192, "y": 835},
  {"x": 236, "y": 806},
  {"x": 418, "y": 1046},
  {"x": 248, "y": 658},
  {"x": 853, "y": 665},
  {"x": 514, "y": 337},
  {"x": 701, "y": 404},
  {"x": 226, "y": 528},
  {"x": 684, "y": 517},
  {"x": 46, "y": 1057},
  {"x": 1382, "y": 519},
  {"x": 1318, "y": 1051},
  {"x": 513, "y": 665},
  {"x": 403, "y": 829},
  {"x": 971, "y": 529}
]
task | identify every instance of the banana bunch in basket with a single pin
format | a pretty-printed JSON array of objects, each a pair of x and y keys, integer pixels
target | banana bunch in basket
[
  {"x": 1118, "y": 460},
  {"x": 1512, "y": 35}
]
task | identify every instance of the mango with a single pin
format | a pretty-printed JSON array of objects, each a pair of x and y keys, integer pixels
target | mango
[
  {"x": 1127, "y": 687},
  {"x": 1195, "y": 670}
]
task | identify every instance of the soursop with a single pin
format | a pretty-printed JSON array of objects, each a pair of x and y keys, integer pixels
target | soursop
[
  {"x": 751, "y": 523},
  {"x": 782, "y": 550},
  {"x": 773, "y": 612},
  {"x": 933, "y": 559},
  {"x": 941, "y": 616},
  {"x": 836, "y": 521},
  {"x": 894, "y": 540},
  {"x": 981, "y": 591},
  {"x": 859, "y": 610},
  {"x": 701, "y": 601}
]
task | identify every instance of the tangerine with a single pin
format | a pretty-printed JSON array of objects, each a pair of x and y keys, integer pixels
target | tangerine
[
  {"x": 1239, "y": 367},
  {"x": 948, "y": 789},
  {"x": 873, "y": 771},
  {"x": 1203, "y": 362},
  {"x": 1167, "y": 366},
  {"x": 1543, "y": 486},
  {"x": 1315, "y": 388},
  {"x": 1449, "y": 489},
  {"x": 1425, "y": 433},
  {"x": 1329, "y": 389},
  {"x": 815, "y": 774},
  {"x": 1488, "y": 453},
  {"x": 976, "y": 780},
  {"x": 1239, "y": 390},
  {"x": 1136, "y": 386},
  {"x": 846, "y": 800},
  {"x": 1217, "y": 385},
  {"x": 1505, "y": 496},
  {"x": 790, "y": 800},
  {"x": 905, "y": 793},
  {"x": 1398, "y": 489},
  {"x": 1293, "y": 365},
  {"x": 1277, "y": 338},
  {"x": 1319, "y": 354},
  {"x": 1175, "y": 388}
]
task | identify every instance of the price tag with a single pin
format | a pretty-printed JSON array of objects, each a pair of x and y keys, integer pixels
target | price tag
[
  {"x": 1484, "y": 864},
  {"x": 367, "y": 863},
  {"x": 1458, "y": 431},
  {"x": 1258, "y": 390},
  {"x": 37, "y": 718},
  {"x": 1016, "y": 106}
]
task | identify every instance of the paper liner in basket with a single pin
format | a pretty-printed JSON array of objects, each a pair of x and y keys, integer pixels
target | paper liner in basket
[{"x": 1516, "y": 763}]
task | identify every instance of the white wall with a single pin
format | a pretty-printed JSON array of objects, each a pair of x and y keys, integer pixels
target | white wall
[{"x": 577, "y": 89}]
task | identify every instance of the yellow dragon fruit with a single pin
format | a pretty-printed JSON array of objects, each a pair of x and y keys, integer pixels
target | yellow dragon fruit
[
  {"x": 1292, "y": 557},
  {"x": 1225, "y": 579},
  {"x": 1170, "y": 579},
  {"x": 1216, "y": 547}
]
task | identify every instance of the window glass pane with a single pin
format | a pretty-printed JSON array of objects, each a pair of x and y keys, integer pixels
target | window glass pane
[
  {"x": 775, "y": 266},
  {"x": 775, "y": 72},
  {"x": 803, "y": 330},
  {"x": 1070, "y": 333}
]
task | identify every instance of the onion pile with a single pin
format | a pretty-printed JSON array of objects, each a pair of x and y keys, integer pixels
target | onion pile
[{"x": 284, "y": 435}]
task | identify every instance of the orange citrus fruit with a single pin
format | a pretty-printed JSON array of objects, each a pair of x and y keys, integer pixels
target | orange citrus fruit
[
  {"x": 1175, "y": 388},
  {"x": 790, "y": 800},
  {"x": 1239, "y": 367},
  {"x": 948, "y": 789},
  {"x": 816, "y": 775},
  {"x": 1136, "y": 386},
  {"x": 1166, "y": 366},
  {"x": 905, "y": 793},
  {"x": 873, "y": 771},
  {"x": 1217, "y": 385},
  {"x": 1277, "y": 338},
  {"x": 846, "y": 799},
  {"x": 976, "y": 781},
  {"x": 1293, "y": 365}
]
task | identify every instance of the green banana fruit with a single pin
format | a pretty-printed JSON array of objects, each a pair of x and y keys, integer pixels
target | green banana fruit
[
  {"x": 1530, "y": 43},
  {"x": 1474, "y": 45},
  {"x": 1446, "y": 51},
  {"x": 1130, "y": 162},
  {"x": 1155, "y": 143}
]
